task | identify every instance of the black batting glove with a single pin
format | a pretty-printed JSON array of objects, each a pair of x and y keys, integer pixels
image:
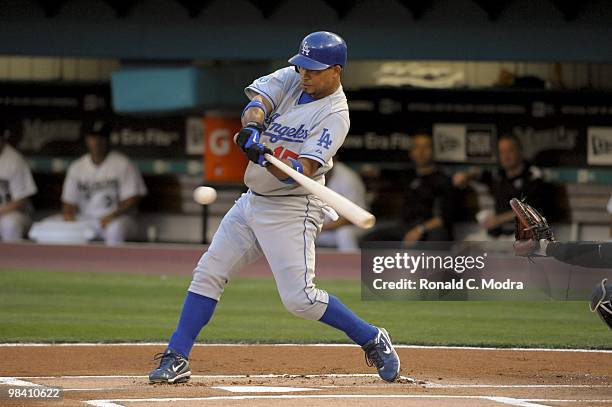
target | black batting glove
[
  {"x": 248, "y": 140},
  {"x": 249, "y": 135},
  {"x": 256, "y": 153}
]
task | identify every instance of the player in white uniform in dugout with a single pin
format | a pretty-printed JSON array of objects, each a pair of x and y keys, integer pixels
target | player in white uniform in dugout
[
  {"x": 16, "y": 187},
  {"x": 340, "y": 233},
  {"x": 103, "y": 188},
  {"x": 299, "y": 113}
]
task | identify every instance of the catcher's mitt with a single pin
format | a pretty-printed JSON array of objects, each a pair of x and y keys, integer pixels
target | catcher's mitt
[
  {"x": 601, "y": 301},
  {"x": 530, "y": 228}
]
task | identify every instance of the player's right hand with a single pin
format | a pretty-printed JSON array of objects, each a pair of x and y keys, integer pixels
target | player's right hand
[
  {"x": 248, "y": 140},
  {"x": 249, "y": 135}
]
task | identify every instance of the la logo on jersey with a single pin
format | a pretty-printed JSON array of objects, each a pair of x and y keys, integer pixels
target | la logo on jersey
[
  {"x": 305, "y": 48},
  {"x": 325, "y": 140}
]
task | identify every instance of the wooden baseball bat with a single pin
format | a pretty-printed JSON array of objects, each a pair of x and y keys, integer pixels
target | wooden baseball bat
[{"x": 354, "y": 213}]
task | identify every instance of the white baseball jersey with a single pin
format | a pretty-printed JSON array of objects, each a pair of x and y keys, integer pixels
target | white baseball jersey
[
  {"x": 16, "y": 180},
  {"x": 347, "y": 183},
  {"x": 314, "y": 130},
  {"x": 98, "y": 190}
]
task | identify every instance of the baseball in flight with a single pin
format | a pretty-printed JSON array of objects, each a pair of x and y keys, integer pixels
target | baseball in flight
[{"x": 204, "y": 195}]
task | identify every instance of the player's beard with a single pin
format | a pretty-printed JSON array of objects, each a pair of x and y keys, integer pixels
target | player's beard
[{"x": 307, "y": 88}]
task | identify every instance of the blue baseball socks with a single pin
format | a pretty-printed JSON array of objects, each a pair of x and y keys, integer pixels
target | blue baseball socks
[
  {"x": 197, "y": 311},
  {"x": 342, "y": 318}
]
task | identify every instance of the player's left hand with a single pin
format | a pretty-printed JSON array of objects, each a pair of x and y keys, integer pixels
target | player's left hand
[
  {"x": 532, "y": 232},
  {"x": 256, "y": 153}
]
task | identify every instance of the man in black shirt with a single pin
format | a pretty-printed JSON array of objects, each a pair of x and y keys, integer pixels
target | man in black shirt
[
  {"x": 515, "y": 177},
  {"x": 428, "y": 199}
]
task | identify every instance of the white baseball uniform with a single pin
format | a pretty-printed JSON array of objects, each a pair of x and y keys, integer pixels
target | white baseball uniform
[
  {"x": 98, "y": 190},
  {"x": 16, "y": 183},
  {"x": 278, "y": 220},
  {"x": 347, "y": 183}
]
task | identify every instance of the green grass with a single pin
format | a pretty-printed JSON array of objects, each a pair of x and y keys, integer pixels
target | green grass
[{"x": 72, "y": 307}]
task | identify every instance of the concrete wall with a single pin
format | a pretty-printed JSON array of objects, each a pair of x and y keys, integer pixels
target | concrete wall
[{"x": 358, "y": 74}]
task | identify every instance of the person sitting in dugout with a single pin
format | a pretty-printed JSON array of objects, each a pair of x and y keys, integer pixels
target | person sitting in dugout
[{"x": 103, "y": 188}]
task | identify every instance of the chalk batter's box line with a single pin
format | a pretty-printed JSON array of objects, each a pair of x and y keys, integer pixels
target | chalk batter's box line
[
  {"x": 220, "y": 376},
  {"x": 9, "y": 380},
  {"x": 502, "y": 400}
]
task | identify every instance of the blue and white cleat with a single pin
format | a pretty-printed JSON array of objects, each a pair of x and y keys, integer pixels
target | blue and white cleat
[
  {"x": 379, "y": 352},
  {"x": 173, "y": 368}
]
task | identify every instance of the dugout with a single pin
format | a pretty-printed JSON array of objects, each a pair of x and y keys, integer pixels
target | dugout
[{"x": 539, "y": 69}]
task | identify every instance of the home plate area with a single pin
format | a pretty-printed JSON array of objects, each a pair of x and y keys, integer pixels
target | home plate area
[
  {"x": 335, "y": 389},
  {"x": 438, "y": 377}
]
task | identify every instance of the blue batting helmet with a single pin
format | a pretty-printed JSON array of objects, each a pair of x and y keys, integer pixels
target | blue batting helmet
[{"x": 320, "y": 50}]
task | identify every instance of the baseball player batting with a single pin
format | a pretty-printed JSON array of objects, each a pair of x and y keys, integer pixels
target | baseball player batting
[{"x": 300, "y": 114}]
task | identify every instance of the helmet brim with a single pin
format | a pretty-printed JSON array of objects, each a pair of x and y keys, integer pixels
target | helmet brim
[{"x": 302, "y": 61}]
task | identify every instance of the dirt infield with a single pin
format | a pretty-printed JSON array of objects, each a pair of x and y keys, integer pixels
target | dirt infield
[{"x": 270, "y": 375}]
